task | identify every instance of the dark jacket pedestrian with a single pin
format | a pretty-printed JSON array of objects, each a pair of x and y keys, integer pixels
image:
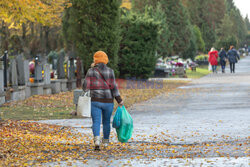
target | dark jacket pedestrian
[
  {"x": 100, "y": 80},
  {"x": 223, "y": 57},
  {"x": 233, "y": 58}
]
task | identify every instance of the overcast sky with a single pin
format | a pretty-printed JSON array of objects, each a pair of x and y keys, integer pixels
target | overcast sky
[{"x": 244, "y": 6}]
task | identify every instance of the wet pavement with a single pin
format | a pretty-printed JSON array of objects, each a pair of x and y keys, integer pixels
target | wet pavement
[
  {"x": 218, "y": 104},
  {"x": 212, "y": 110}
]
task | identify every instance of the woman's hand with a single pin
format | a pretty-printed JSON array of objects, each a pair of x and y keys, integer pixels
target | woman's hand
[{"x": 121, "y": 103}]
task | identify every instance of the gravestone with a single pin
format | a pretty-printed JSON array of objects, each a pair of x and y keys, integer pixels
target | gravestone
[
  {"x": 44, "y": 60},
  {"x": 56, "y": 86},
  {"x": 47, "y": 82},
  {"x": 180, "y": 71},
  {"x": 26, "y": 71},
  {"x": 38, "y": 69},
  {"x": 37, "y": 88},
  {"x": 18, "y": 92},
  {"x": 8, "y": 76},
  {"x": 52, "y": 57},
  {"x": 71, "y": 84},
  {"x": 2, "y": 95},
  {"x": 13, "y": 74},
  {"x": 71, "y": 74},
  {"x": 27, "y": 77},
  {"x": 60, "y": 66},
  {"x": 1, "y": 77},
  {"x": 78, "y": 72},
  {"x": 5, "y": 68},
  {"x": 54, "y": 65},
  {"x": 76, "y": 94},
  {"x": 46, "y": 74},
  {"x": 21, "y": 70}
]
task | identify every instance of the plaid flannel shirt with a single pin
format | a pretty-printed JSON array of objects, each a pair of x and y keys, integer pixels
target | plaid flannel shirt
[{"x": 101, "y": 90}]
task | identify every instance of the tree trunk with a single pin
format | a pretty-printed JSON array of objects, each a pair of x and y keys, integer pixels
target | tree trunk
[
  {"x": 32, "y": 29},
  {"x": 5, "y": 36},
  {"x": 47, "y": 46}
]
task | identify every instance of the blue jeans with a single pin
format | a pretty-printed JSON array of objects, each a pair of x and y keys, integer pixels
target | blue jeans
[
  {"x": 214, "y": 68},
  {"x": 101, "y": 111}
]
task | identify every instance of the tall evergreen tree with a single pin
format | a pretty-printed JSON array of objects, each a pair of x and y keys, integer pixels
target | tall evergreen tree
[
  {"x": 226, "y": 28},
  {"x": 140, "y": 5},
  {"x": 239, "y": 26},
  {"x": 165, "y": 45},
  {"x": 178, "y": 24},
  {"x": 155, "y": 10},
  {"x": 225, "y": 37},
  {"x": 247, "y": 22},
  {"x": 92, "y": 26},
  {"x": 199, "y": 40},
  {"x": 194, "y": 10},
  {"x": 207, "y": 15}
]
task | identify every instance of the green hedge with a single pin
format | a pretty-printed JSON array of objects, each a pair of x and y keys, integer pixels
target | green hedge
[
  {"x": 201, "y": 58},
  {"x": 137, "y": 55}
]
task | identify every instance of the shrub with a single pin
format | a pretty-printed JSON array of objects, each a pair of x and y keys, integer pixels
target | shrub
[
  {"x": 138, "y": 45},
  {"x": 201, "y": 58}
]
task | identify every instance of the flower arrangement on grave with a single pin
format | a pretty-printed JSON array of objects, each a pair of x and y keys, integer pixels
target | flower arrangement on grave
[
  {"x": 172, "y": 62},
  {"x": 179, "y": 64},
  {"x": 31, "y": 80}
]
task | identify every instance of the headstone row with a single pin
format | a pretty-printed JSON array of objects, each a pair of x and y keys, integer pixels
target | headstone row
[{"x": 19, "y": 70}]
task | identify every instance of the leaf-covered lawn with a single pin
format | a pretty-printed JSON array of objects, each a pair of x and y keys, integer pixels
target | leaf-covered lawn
[
  {"x": 40, "y": 107},
  {"x": 59, "y": 106}
]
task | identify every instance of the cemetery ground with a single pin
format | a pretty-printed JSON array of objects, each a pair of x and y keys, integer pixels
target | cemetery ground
[
  {"x": 59, "y": 106},
  {"x": 201, "y": 123}
]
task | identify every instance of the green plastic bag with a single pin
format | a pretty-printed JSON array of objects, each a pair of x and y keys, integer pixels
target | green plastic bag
[
  {"x": 124, "y": 132},
  {"x": 117, "y": 118}
]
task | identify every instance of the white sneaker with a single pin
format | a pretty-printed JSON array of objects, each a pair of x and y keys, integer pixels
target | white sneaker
[
  {"x": 97, "y": 142},
  {"x": 105, "y": 142}
]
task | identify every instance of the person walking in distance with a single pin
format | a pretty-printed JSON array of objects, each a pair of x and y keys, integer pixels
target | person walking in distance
[
  {"x": 100, "y": 80},
  {"x": 223, "y": 58},
  {"x": 233, "y": 58},
  {"x": 213, "y": 56}
]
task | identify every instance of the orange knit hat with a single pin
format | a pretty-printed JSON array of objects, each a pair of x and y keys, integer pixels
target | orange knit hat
[{"x": 101, "y": 57}]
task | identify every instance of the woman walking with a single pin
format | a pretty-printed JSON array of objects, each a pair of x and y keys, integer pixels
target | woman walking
[
  {"x": 213, "y": 55},
  {"x": 233, "y": 58},
  {"x": 100, "y": 80},
  {"x": 223, "y": 57}
]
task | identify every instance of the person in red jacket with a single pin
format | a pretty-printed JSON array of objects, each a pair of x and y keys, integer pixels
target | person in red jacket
[{"x": 213, "y": 56}]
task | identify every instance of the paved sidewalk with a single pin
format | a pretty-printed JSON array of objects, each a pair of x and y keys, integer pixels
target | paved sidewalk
[{"x": 216, "y": 104}]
